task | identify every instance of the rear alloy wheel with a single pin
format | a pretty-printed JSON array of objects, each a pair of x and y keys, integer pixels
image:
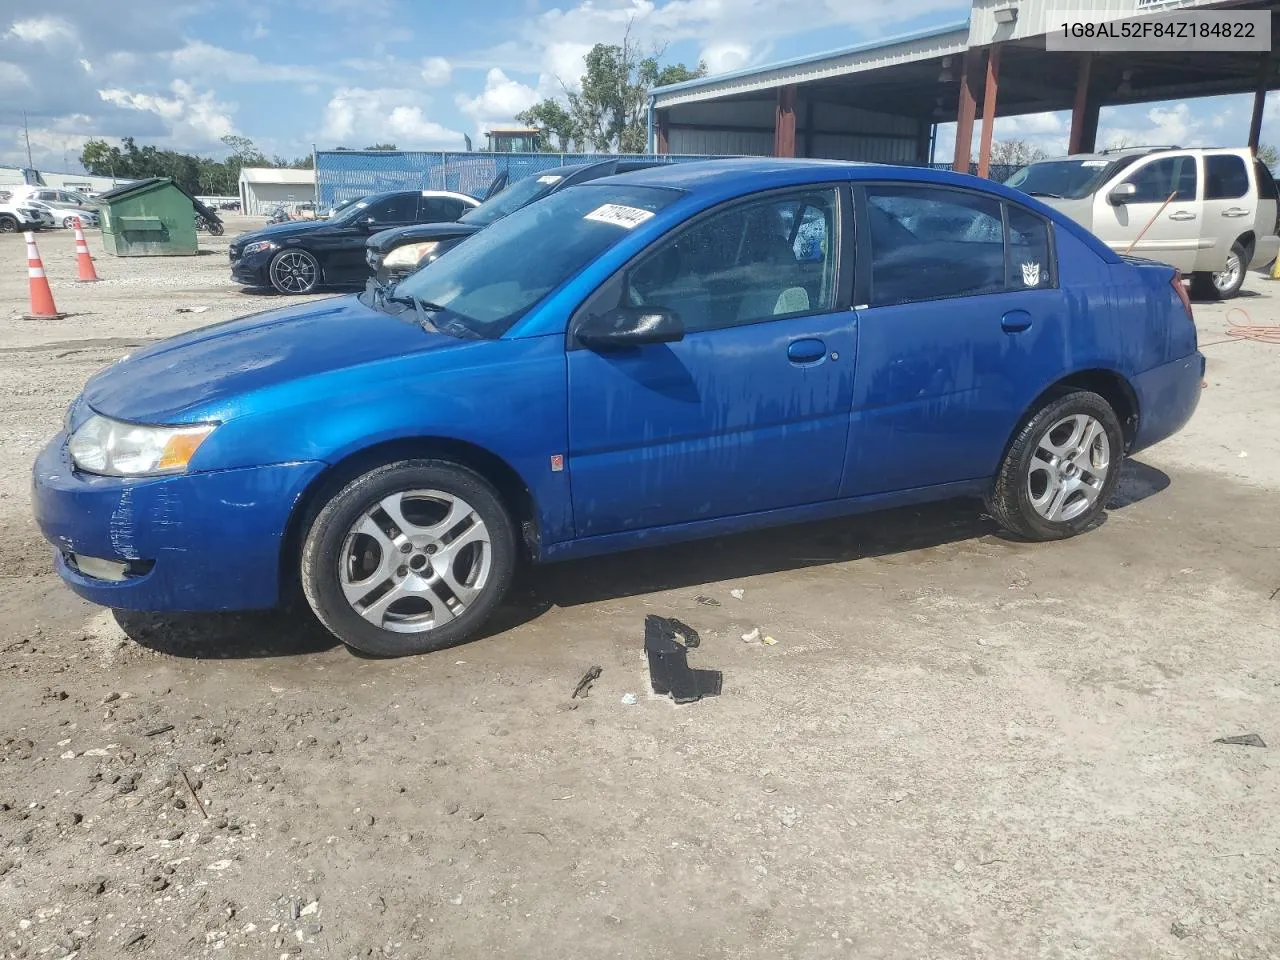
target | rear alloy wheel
[
  {"x": 8, "y": 224},
  {"x": 68, "y": 222},
  {"x": 1226, "y": 283},
  {"x": 1060, "y": 470},
  {"x": 294, "y": 271},
  {"x": 408, "y": 558}
]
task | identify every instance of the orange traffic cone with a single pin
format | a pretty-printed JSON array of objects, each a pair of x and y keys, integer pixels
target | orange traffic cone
[
  {"x": 42, "y": 307},
  {"x": 84, "y": 262}
]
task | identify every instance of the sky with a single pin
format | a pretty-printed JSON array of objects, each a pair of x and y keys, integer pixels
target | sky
[{"x": 182, "y": 74}]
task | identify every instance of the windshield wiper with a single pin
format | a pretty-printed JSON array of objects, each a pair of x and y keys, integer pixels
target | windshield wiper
[
  {"x": 1041, "y": 193},
  {"x": 421, "y": 309}
]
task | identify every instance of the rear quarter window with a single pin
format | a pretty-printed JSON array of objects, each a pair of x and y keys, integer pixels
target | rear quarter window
[{"x": 1266, "y": 182}]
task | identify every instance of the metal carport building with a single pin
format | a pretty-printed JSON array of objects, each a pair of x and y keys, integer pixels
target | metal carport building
[{"x": 882, "y": 101}]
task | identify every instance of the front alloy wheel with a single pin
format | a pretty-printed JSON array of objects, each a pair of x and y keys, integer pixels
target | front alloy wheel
[
  {"x": 410, "y": 557},
  {"x": 294, "y": 271}
]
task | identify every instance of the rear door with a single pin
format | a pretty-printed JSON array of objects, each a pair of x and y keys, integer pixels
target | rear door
[
  {"x": 1230, "y": 208},
  {"x": 439, "y": 209},
  {"x": 954, "y": 334},
  {"x": 1168, "y": 233}
]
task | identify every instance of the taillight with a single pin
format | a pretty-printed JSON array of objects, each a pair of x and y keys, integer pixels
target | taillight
[{"x": 1181, "y": 291}]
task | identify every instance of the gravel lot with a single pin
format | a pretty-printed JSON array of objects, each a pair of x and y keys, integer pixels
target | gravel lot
[{"x": 960, "y": 747}]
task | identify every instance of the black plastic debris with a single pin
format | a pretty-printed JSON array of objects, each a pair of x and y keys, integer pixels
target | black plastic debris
[
  {"x": 584, "y": 685},
  {"x": 706, "y": 601},
  {"x": 669, "y": 669},
  {"x": 1243, "y": 740}
]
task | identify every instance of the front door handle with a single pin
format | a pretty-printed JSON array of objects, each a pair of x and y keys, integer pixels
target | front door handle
[
  {"x": 1236, "y": 212},
  {"x": 808, "y": 350},
  {"x": 1015, "y": 321},
  {"x": 1182, "y": 215}
]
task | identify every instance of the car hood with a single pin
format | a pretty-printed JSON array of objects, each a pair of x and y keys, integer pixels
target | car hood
[
  {"x": 419, "y": 233},
  {"x": 1081, "y": 211},
  {"x": 279, "y": 231},
  {"x": 184, "y": 377}
]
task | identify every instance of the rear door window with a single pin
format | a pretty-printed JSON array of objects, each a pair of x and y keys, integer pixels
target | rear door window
[
  {"x": 930, "y": 243},
  {"x": 398, "y": 208},
  {"x": 1225, "y": 177}
]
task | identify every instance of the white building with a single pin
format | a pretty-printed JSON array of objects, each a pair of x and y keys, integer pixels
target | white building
[
  {"x": 85, "y": 183},
  {"x": 262, "y": 188}
]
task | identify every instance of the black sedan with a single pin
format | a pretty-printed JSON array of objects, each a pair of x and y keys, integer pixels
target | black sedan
[
  {"x": 298, "y": 256},
  {"x": 395, "y": 253}
]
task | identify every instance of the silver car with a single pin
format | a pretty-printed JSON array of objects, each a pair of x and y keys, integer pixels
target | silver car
[{"x": 1212, "y": 213}]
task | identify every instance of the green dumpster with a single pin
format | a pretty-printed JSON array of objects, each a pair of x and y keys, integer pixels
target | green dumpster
[{"x": 148, "y": 218}]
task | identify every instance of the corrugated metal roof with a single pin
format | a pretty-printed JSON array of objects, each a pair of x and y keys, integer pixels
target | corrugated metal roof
[
  {"x": 277, "y": 175},
  {"x": 922, "y": 45}
]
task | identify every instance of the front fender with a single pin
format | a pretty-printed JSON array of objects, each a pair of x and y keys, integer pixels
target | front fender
[{"x": 507, "y": 397}]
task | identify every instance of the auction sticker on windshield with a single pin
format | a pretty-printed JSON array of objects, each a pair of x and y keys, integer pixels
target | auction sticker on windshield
[
  {"x": 550, "y": 178},
  {"x": 620, "y": 216}
]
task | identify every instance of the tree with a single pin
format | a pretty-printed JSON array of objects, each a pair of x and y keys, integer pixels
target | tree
[
  {"x": 1268, "y": 154},
  {"x": 382, "y": 146},
  {"x": 609, "y": 109},
  {"x": 553, "y": 120},
  {"x": 243, "y": 150},
  {"x": 1015, "y": 153}
]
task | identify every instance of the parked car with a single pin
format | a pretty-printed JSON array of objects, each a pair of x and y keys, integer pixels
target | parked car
[
  {"x": 393, "y": 254},
  {"x": 21, "y": 215},
  {"x": 300, "y": 255},
  {"x": 65, "y": 216},
  {"x": 673, "y": 363},
  {"x": 1223, "y": 216}
]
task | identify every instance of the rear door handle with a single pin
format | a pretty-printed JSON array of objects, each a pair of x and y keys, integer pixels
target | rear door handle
[
  {"x": 1015, "y": 321},
  {"x": 1182, "y": 215},
  {"x": 1236, "y": 212},
  {"x": 808, "y": 350}
]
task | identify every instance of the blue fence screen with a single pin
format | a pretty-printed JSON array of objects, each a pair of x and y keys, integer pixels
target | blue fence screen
[{"x": 347, "y": 174}]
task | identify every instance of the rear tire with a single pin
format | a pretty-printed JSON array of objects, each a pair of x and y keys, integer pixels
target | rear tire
[
  {"x": 8, "y": 224},
  {"x": 1060, "y": 470},
  {"x": 408, "y": 558},
  {"x": 1225, "y": 284}
]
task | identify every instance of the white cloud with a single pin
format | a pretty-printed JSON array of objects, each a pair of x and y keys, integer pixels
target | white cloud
[
  {"x": 436, "y": 71},
  {"x": 200, "y": 59},
  {"x": 259, "y": 31},
  {"x": 46, "y": 30},
  {"x": 357, "y": 117},
  {"x": 722, "y": 56},
  {"x": 195, "y": 118},
  {"x": 566, "y": 62},
  {"x": 12, "y": 77},
  {"x": 499, "y": 102}
]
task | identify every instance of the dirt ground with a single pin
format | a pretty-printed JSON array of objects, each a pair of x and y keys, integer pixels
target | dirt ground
[{"x": 959, "y": 747}]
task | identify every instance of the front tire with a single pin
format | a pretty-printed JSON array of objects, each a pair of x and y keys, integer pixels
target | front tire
[
  {"x": 8, "y": 224},
  {"x": 1060, "y": 470},
  {"x": 409, "y": 558},
  {"x": 294, "y": 272},
  {"x": 1226, "y": 283}
]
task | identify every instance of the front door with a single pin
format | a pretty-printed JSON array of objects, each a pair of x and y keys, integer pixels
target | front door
[
  {"x": 750, "y": 411},
  {"x": 1168, "y": 233},
  {"x": 346, "y": 262}
]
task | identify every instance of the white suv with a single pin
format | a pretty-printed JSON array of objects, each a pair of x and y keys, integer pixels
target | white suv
[{"x": 1221, "y": 219}]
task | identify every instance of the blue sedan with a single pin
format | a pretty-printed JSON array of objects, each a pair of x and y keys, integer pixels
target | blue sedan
[{"x": 675, "y": 353}]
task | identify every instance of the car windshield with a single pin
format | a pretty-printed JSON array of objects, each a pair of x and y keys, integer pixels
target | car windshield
[
  {"x": 489, "y": 282},
  {"x": 519, "y": 194},
  {"x": 1068, "y": 179},
  {"x": 351, "y": 212}
]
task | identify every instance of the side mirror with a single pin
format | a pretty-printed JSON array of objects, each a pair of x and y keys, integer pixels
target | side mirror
[
  {"x": 1122, "y": 194},
  {"x": 630, "y": 327}
]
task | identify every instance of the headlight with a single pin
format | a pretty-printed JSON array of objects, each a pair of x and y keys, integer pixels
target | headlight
[
  {"x": 258, "y": 246},
  {"x": 410, "y": 255},
  {"x": 133, "y": 450}
]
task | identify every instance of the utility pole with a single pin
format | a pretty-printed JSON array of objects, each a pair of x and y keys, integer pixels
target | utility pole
[{"x": 26, "y": 132}]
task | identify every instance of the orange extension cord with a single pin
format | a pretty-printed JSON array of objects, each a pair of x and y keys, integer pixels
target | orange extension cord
[{"x": 1259, "y": 333}]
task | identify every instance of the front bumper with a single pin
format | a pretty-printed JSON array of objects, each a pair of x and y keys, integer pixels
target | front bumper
[
  {"x": 252, "y": 271},
  {"x": 192, "y": 542},
  {"x": 1167, "y": 397}
]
